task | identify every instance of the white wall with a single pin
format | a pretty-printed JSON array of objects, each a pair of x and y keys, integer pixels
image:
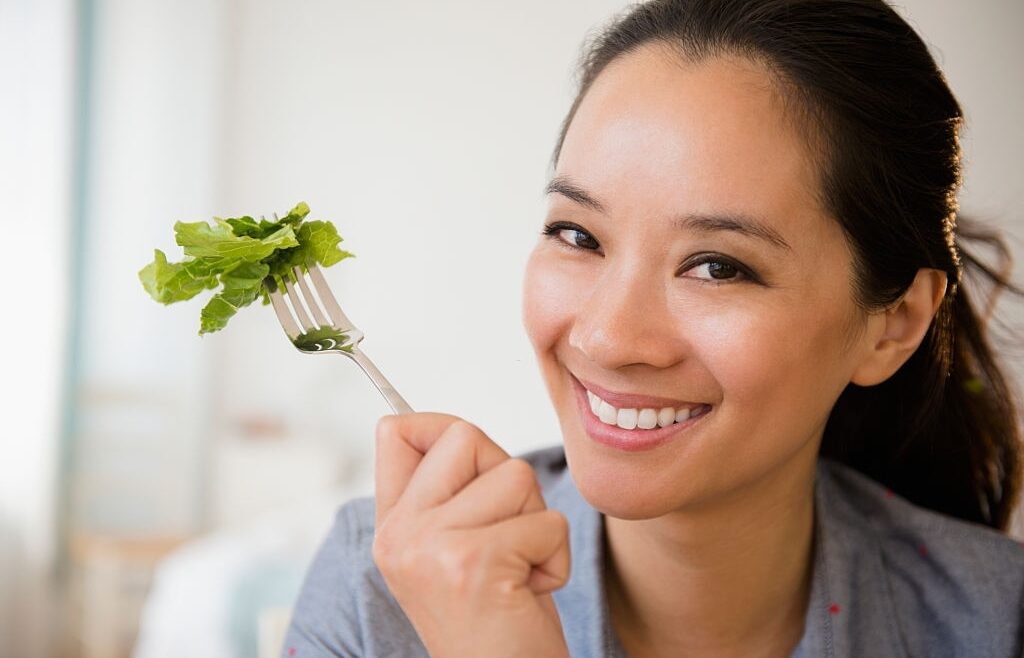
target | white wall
[{"x": 978, "y": 46}]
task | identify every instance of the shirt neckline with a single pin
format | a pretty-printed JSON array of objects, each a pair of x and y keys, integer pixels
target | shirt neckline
[{"x": 849, "y": 586}]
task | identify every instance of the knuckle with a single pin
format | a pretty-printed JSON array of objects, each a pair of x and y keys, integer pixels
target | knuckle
[
  {"x": 559, "y": 580},
  {"x": 383, "y": 554},
  {"x": 392, "y": 548},
  {"x": 558, "y": 521},
  {"x": 384, "y": 551},
  {"x": 520, "y": 472},
  {"x": 460, "y": 436},
  {"x": 460, "y": 565},
  {"x": 398, "y": 562},
  {"x": 408, "y": 563},
  {"x": 419, "y": 562},
  {"x": 467, "y": 426},
  {"x": 463, "y": 431},
  {"x": 385, "y": 429}
]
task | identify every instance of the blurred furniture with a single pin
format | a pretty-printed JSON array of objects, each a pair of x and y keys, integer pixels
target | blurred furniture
[
  {"x": 110, "y": 577},
  {"x": 273, "y": 626},
  {"x": 228, "y": 594}
]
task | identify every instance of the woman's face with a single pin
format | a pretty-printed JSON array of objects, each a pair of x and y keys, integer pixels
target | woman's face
[{"x": 689, "y": 263}]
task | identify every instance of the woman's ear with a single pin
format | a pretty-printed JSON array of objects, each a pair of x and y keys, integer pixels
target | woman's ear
[{"x": 894, "y": 334}]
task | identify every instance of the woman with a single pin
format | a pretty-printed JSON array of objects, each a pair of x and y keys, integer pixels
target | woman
[{"x": 784, "y": 430}]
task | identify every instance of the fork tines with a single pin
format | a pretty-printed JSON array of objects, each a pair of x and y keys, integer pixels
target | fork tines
[{"x": 302, "y": 304}]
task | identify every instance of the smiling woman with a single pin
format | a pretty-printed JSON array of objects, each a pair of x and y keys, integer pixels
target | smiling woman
[{"x": 785, "y": 433}]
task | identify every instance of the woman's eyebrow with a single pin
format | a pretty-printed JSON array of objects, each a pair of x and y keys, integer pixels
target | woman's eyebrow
[
  {"x": 739, "y": 223},
  {"x": 704, "y": 223},
  {"x": 564, "y": 186}
]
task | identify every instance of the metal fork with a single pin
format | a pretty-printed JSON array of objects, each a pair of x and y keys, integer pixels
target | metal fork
[{"x": 329, "y": 331}]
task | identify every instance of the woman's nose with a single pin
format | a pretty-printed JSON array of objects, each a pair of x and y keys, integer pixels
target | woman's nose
[{"x": 626, "y": 321}]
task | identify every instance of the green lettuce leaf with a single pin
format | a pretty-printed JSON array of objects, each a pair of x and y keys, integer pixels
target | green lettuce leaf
[
  {"x": 239, "y": 255},
  {"x": 176, "y": 282},
  {"x": 242, "y": 286},
  {"x": 222, "y": 249},
  {"x": 318, "y": 243}
]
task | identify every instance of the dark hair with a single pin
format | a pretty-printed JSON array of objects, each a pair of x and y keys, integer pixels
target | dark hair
[{"x": 944, "y": 430}]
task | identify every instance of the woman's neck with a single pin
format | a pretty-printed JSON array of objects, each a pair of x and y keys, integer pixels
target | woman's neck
[{"x": 730, "y": 581}]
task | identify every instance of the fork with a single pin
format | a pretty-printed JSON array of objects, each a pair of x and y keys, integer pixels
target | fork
[{"x": 329, "y": 331}]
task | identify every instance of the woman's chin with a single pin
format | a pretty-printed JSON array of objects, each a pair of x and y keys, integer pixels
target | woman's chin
[{"x": 620, "y": 490}]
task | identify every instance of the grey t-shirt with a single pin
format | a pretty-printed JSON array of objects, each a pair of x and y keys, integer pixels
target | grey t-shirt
[{"x": 890, "y": 580}]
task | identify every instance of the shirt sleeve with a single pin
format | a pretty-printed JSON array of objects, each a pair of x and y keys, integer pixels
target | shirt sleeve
[{"x": 345, "y": 609}]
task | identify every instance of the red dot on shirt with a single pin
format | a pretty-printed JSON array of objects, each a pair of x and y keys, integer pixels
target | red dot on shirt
[
  {"x": 889, "y": 493},
  {"x": 833, "y": 609},
  {"x": 291, "y": 651},
  {"x": 923, "y": 550}
]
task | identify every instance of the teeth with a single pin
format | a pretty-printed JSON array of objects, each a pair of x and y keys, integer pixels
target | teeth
[
  {"x": 648, "y": 419},
  {"x": 629, "y": 419},
  {"x": 607, "y": 413}
]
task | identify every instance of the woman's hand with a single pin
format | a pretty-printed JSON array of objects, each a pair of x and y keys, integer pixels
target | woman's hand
[{"x": 465, "y": 542}]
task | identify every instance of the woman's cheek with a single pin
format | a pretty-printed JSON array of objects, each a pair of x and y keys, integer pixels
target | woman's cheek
[
  {"x": 551, "y": 292},
  {"x": 773, "y": 358},
  {"x": 743, "y": 347}
]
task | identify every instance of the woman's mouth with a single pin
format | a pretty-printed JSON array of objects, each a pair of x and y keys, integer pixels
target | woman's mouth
[
  {"x": 645, "y": 419},
  {"x": 634, "y": 428}
]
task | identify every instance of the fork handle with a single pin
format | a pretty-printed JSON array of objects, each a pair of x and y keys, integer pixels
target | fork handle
[{"x": 396, "y": 401}]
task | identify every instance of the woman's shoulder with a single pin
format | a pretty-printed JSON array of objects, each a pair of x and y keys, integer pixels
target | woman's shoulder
[
  {"x": 897, "y": 521},
  {"x": 951, "y": 583},
  {"x": 344, "y": 607}
]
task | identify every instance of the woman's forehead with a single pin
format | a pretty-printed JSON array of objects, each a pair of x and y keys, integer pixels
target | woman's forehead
[{"x": 696, "y": 137}]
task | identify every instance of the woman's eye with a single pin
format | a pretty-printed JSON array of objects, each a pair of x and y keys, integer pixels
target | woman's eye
[
  {"x": 578, "y": 238},
  {"x": 572, "y": 236},
  {"x": 715, "y": 268}
]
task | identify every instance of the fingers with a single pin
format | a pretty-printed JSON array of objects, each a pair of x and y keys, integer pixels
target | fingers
[
  {"x": 540, "y": 543},
  {"x": 458, "y": 456},
  {"x": 529, "y": 550},
  {"x": 398, "y": 454},
  {"x": 506, "y": 490},
  {"x": 427, "y": 461},
  {"x": 402, "y": 443}
]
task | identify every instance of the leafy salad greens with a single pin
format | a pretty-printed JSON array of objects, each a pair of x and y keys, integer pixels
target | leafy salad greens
[{"x": 238, "y": 255}]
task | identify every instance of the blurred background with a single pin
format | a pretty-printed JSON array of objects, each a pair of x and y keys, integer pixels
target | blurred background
[{"x": 161, "y": 494}]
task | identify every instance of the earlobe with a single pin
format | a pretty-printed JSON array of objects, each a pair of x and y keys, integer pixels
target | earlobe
[{"x": 894, "y": 334}]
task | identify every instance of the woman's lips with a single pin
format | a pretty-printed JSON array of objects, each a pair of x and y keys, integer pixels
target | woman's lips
[
  {"x": 631, "y": 401},
  {"x": 628, "y": 440}
]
